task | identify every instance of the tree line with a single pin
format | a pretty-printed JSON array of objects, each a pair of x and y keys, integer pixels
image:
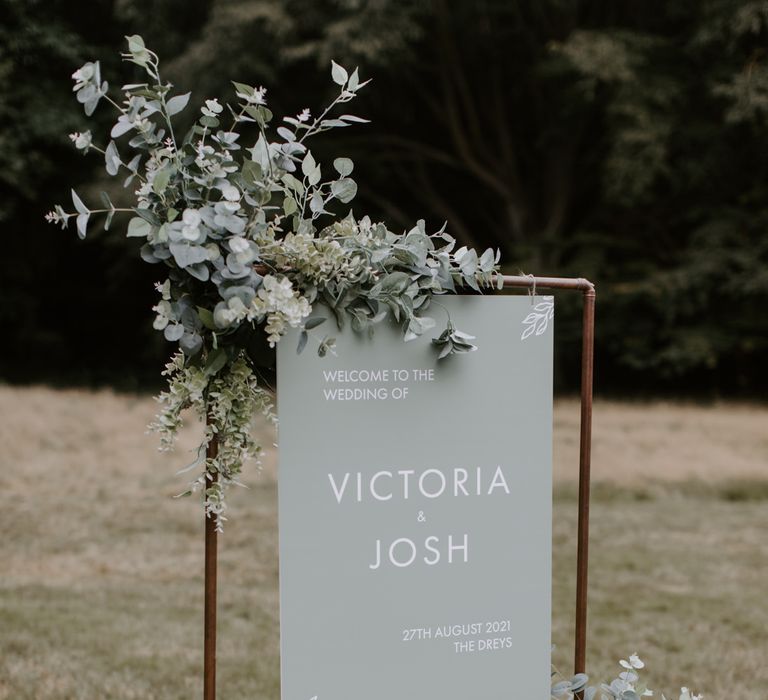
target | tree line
[{"x": 624, "y": 142}]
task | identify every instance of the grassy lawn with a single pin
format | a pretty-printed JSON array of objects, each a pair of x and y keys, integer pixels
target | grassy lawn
[{"x": 101, "y": 574}]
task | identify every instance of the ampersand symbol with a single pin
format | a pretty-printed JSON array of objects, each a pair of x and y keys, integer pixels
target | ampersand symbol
[{"x": 421, "y": 517}]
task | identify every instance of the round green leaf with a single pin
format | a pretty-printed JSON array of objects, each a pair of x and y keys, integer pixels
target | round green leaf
[
  {"x": 343, "y": 166},
  {"x": 138, "y": 228},
  {"x": 344, "y": 190}
]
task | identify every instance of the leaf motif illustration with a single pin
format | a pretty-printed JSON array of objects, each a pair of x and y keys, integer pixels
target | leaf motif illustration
[{"x": 538, "y": 320}]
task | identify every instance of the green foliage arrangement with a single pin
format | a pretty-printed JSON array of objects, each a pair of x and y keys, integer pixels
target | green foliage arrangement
[
  {"x": 250, "y": 242},
  {"x": 626, "y": 686}
]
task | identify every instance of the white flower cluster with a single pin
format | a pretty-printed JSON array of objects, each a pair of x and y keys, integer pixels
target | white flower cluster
[
  {"x": 82, "y": 140},
  {"x": 57, "y": 216},
  {"x": 276, "y": 302},
  {"x": 253, "y": 96},
  {"x": 281, "y": 305},
  {"x": 258, "y": 97}
]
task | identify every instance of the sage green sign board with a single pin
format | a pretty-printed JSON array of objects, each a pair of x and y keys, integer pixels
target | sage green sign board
[{"x": 415, "y": 510}]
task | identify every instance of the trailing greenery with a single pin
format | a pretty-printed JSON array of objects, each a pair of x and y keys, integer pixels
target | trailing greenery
[
  {"x": 227, "y": 401},
  {"x": 250, "y": 241}
]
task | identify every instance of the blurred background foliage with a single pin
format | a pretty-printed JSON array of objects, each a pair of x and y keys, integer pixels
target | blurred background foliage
[{"x": 623, "y": 142}]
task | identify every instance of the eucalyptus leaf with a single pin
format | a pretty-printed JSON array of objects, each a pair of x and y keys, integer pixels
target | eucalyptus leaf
[
  {"x": 468, "y": 264},
  {"x": 112, "y": 158},
  {"x": 395, "y": 282},
  {"x": 308, "y": 165},
  {"x": 294, "y": 184},
  {"x": 199, "y": 271},
  {"x": 135, "y": 43},
  {"x": 162, "y": 178},
  {"x": 82, "y": 224},
  {"x": 206, "y": 316},
  {"x": 333, "y": 124},
  {"x": 247, "y": 90},
  {"x": 147, "y": 253},
  {"x": 149, "y": 216},
  {"x": 315, "y": 176},
  {"x": 289, "y": 206},
  {"x": 339, "y": 74},
  {"x": 260, "y": 153},
  {"x": 354, "y": 81},
  {"x": 215, "y": 361},
  {"x": 133, "y": 164},
  {"x": 446, "y": 350},
  {"x": 177, "y": 104},
  {"x": 354, "y": 119},
  {"x": 185, "y": 254},
  {"x": 252, "y": 172},
  {"x": 327, "y": 345},
  {"x": 286, "y": 133},
  {"x": 344, "y": 190},
  {"x": 311, "y": 323},
  {"x": 343, "y": 166},
  {"x": 191, "y": 343},
  {"x": 487, "y": 259},
  {"x": 316, "y": 203},
  {"x": 173, "y": 332},
  {"x": 79, "y": 206},
  {"x": 579, "y": 681},
  {"x": 303, "y": 336},
  {"x": 138, "y": 228}
]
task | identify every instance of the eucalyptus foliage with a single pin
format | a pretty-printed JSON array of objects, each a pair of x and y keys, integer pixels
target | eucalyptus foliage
[
  {"x": 626, "y": 686},
  {"x": 250, "y": 238}
]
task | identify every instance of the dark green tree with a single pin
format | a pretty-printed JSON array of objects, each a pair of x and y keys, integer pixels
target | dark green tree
[{"x": 620, "y": 141}]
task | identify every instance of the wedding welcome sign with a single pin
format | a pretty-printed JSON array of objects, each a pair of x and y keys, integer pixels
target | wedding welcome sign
[{"x": 415, "y": 510}]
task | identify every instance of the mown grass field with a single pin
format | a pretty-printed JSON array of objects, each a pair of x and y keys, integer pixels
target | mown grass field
[{"x": 101, "y": 572}]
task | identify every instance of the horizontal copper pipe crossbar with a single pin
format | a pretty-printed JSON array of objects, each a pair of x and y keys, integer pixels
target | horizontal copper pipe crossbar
[{"x": 531, "y": 282}]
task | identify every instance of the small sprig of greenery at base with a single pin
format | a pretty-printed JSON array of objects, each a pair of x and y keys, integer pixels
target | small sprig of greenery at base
[
  {"x": 250, "y": 239},
  {"x": 626, "y": 686}
]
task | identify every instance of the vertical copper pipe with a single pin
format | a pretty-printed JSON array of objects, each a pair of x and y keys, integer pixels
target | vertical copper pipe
[
  {"x": 585, "y": 458},
  {"x": 209, "y": 638}
]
